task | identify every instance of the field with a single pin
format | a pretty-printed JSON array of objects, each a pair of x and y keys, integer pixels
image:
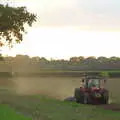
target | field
[
  {"x": 57, "y": 87},
  {"x": 6, "y": 113},
  {"x": 41, "y": 98}
]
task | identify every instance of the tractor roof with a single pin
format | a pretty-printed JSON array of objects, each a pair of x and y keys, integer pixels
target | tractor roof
[{"x": 94, "y": 77}]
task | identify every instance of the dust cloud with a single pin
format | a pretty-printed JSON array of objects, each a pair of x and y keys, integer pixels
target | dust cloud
[{"x": 57, "y": 87}]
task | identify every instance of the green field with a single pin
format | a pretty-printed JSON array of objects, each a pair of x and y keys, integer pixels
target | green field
[
  {"x": 7, "y": 113},
  {"x": 44, "y": 108},
  {"x": 41, "y": 98}
]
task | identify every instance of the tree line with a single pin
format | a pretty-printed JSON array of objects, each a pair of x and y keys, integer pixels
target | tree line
[{"x": 25, "y": 63}]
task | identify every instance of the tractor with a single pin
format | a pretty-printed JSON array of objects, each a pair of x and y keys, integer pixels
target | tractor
[{"x": 92, "y": 91}]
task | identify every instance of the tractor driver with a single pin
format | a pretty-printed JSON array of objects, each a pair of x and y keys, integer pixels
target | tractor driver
[{"x": 91, "y": 83}]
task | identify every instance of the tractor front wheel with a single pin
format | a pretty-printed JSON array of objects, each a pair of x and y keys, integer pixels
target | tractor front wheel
[
  {"x": 105, "y": 100},
  {"x": 77, "y": 95},
  {"x": 85, "y": 99}
]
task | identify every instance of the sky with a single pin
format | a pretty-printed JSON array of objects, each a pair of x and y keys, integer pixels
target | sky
[{"x": 67, "y": 28}]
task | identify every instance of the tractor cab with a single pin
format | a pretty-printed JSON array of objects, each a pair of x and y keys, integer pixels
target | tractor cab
[{"x": 93, "y": 82}]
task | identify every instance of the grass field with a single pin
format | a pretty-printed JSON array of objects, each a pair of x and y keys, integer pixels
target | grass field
[
  {"x": 41, "y": 98},
  {"x": 7, "y": 113},
  {"x": 44, "y": 108}
]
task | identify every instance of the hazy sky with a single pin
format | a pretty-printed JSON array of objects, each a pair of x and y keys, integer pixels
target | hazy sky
[{"x": 68, "y": 28}]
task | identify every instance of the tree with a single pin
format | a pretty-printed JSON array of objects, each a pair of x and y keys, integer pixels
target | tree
[
  {"x": 114, "y": 59},
  {"x": 74, "y": 59},
  {"x": 90, "y": 60},
  {"x": 81, "y": 58},
  {"x": 1, "y": 57},
  {"x": 102, "y": 59},
  {"x": 12, "y": 21}
]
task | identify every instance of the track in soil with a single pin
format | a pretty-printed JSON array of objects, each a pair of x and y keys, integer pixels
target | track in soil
[{"x": 112, "y": 106}]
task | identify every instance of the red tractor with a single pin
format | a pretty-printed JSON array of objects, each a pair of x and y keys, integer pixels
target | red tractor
[{"x": 92, "y": 91}]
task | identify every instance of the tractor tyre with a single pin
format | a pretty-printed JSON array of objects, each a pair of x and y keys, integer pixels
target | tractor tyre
[
  {"x": 85, "y": 99},
  {"x": 77, "y": 95},
  {"x": 105, "y": 98}
]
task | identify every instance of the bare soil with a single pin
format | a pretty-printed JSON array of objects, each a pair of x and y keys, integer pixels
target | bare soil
[{"x": 113, "y": 107}]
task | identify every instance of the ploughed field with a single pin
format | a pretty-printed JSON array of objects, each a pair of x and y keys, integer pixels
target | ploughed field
[
  {"x": 42, "y": 98},
  {"x": 57, "y": 87}
]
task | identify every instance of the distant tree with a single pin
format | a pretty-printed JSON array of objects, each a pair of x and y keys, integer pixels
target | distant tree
[
  {"x": 90, "y": 60},
  {"x": 35, "y": 59},
  {"x": 1, "y": 57},
  {"x": 74, "y": 59},
  {"x": 81, "y": 58},
  {"x": 114, "y": 59},
  {"x": 102, "y": 59},
  {"x": 43, "y": 60},
  {"x": 12, "y": 21}
]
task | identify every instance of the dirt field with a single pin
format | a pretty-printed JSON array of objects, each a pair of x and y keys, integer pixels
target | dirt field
[{"x": 57, "y": 87}]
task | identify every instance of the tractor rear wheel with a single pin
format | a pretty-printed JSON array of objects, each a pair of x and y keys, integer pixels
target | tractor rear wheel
[
  {"x": 77, "y": 95},
  {"x": 85, "y": 99},
  {"x": 81, "y": 97}
]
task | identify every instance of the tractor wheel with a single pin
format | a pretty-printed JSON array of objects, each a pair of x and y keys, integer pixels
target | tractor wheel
[
  {"x": 85, "y": 99},
  {"x": 105, "y": 98},
  {"x": 77, "y": 95}
]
